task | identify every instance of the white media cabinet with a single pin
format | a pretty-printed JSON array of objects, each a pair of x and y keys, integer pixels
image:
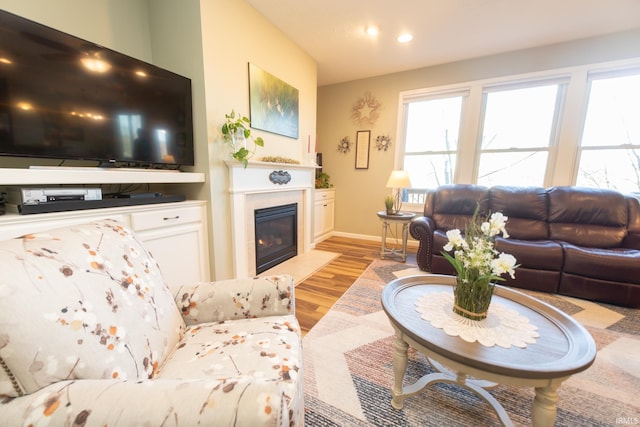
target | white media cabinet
[{"x": 175, "y": 233}]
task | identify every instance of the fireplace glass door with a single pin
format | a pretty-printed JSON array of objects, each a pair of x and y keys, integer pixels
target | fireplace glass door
[{"x": 276, "y": 235}]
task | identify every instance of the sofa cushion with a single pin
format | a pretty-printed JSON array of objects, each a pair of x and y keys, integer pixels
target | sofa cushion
[
  {"x": 535, "y": 254},
  {"x": 526, "y": 209},
  {"x": 453, "y": 206},
  {"x": 616, "y": 264},
  {"x": 83, "y": 302},
  {"x": 587, "y": 216}
]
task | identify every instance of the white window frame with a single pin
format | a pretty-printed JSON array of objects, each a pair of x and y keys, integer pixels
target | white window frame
[{"x": 562, "y": 163}]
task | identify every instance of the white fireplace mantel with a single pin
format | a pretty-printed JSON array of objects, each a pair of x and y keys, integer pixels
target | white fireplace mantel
[{"x": 251, "y": 188}]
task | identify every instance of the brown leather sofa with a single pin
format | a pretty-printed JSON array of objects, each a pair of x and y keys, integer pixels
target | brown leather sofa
[{"x": 574, "y": 241}]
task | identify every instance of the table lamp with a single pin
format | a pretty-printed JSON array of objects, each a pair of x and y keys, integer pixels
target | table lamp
[{"x": 398, "y": 179}]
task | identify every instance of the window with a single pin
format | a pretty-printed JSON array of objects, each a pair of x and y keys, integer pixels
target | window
[
  {"x": 431, "y": 144},
  {"x": 518, "y": 129},
  {"x": 609, "y": 153},
  {"x": 575, "y": 126}
]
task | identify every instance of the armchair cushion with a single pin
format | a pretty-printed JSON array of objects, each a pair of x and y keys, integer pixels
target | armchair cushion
[
  {"x": 69, "y": 300},
  {"x": 266, "y": 350}
]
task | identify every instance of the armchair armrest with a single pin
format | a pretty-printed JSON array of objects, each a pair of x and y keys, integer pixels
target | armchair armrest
[
  {"x": 236, "y": 299},
  {"x": 421, "y": 229},
  {"x": 152, "y": 402}
]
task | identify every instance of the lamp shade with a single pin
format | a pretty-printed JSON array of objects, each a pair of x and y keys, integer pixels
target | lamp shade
[{"x": 399, "y": 179}]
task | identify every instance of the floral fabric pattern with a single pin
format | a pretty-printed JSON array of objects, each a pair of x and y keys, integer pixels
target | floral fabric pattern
[
  {"x": 91, "y": 335},
  {"x": 83, "y": 302}
]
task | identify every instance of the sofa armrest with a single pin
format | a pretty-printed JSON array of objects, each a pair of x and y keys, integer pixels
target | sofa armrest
[
  {"x": 152, "y": 402},
  {"x": 236, "y": 299},
  {"x": 421, "y": 229}
]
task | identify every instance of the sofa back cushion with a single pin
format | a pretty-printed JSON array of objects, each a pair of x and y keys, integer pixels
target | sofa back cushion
[
  {"x": 452, "y": 206},
  {"x": 587, "y": 216},
  {"x": 526, "y": 209},
  {"x": 86, "y": 301}
]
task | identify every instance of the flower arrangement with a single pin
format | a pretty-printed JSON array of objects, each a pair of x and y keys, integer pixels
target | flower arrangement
[{"x": 477, "y": 264}]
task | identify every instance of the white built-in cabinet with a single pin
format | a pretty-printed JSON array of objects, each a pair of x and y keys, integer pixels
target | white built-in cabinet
[
  {"x": 175, "y": 233},
  {"x": 324, "y": 213}
]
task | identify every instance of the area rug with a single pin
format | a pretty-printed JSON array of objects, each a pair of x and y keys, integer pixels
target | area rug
[{"x": 348, "y": 371}]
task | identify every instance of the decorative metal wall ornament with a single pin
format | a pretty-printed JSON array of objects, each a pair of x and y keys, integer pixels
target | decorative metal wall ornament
[
  {"x": 366, "y": 110},
  {"x": 344, "y": 146},
  {"x": 383, "y": 142},
  {"x": 280, "y": 177}
]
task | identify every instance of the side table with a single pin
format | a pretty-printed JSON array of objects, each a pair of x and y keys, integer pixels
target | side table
[{"x": 403, "y": 218}]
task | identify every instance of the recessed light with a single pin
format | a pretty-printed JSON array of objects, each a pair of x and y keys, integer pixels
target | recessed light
[
  {"x": 405, "y": 38},
  {"x": 372, "y": 30}
]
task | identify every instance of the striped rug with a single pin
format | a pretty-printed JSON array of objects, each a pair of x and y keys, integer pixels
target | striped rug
[{"x": 348, "y": 371}]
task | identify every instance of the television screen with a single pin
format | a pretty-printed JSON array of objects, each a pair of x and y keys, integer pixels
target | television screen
[{"x": 63, "y": 97}]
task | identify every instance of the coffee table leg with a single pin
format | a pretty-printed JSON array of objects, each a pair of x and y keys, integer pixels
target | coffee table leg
[
  {"x": 400, "y": 360},
  {"x": 543, "y": 409}
]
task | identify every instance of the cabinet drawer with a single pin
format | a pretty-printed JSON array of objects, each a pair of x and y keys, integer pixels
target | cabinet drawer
[
  {"x": 164, "y": 218},
  {"x": 324, "y": 195}
]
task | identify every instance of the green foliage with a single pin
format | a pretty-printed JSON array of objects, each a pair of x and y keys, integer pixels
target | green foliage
[
  {"x": 239, "y": 125},
  {"x": 388, "y": 202},
  {"x": 322, "y": 181}
]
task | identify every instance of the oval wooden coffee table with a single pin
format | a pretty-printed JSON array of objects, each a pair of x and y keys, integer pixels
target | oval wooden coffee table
[{"x": 563, "y": 348}]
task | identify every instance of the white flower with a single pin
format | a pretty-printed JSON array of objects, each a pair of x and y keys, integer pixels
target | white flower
[
  {"x": 495, "y": 225},
  {"x": 474, "y": 255},
  {"x": 455, "y": 239},
  {"x": 505, "y": 263}
]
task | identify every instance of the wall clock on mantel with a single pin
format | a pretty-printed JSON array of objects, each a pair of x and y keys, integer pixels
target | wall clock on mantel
[{"x": 366, "y": 110}]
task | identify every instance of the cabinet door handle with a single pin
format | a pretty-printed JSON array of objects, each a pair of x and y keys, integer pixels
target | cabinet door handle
[
  {"x": 171, "y": 217},
  {"x": 325, "y": 205}
]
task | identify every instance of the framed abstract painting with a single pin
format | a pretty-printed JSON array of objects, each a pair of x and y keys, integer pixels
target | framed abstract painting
[{"x": 273, "y": 103}]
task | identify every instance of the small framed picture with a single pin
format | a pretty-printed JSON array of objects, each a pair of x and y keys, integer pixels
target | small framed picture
[{"x": 363, "y": 142}]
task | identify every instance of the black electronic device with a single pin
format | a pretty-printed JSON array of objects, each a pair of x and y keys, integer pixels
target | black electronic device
[
  {"x": 63, "y": 97},
  {"x": 73, "y": 205}
]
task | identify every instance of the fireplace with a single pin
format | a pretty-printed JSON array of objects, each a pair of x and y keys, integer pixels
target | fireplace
[
  {"x": 252, "y": 188},
  {"x": 276, "y": 235}
]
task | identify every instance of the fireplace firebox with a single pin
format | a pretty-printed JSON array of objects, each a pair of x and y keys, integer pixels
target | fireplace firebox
[{"x": 276, "y": 231}]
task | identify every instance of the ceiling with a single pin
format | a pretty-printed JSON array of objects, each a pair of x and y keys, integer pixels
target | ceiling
[{"x": 333, "y": 31}]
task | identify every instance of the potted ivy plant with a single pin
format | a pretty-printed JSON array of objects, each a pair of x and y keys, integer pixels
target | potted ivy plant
[
  {"x": 322, "y": 180},
  {"x": 236, "y": 130}
]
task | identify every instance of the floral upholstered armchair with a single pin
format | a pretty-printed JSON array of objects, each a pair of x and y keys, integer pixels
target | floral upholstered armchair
[{"x": 91, "y": 335}]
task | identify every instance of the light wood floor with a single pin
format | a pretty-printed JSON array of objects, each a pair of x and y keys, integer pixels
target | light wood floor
[{"x": 317, "y": 294}]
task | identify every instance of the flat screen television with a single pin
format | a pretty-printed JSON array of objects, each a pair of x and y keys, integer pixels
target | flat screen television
[{"x": 62, "y": 97}]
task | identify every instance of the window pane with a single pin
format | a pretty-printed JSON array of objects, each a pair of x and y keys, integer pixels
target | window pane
[
  {"x": 519, "y": 118},
  {"x": 614, "y": 169},
  {"x": 430, "y": 170},
  {"x": 513, "y": 168},
  {"x": 613, "y": 112},
  {"x": 433, "y": 125}
]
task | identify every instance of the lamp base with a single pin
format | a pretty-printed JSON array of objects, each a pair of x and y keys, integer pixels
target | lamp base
[{"x": 397, "y": 204}]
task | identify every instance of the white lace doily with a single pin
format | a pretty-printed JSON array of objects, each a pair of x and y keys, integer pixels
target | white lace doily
[{"x": 502, "y": 327}]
